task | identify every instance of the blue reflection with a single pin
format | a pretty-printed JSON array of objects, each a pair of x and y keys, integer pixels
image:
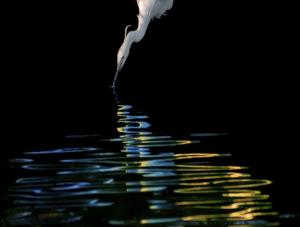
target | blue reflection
[{"x": 136, "y": 178}]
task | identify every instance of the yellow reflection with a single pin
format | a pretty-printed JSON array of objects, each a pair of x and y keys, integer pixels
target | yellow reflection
[
  {"x": 134, "y": 132},
  {"x": 221, "y": 193},
  {"x": 209, "y": 168},
  {"x": 197, "y": 155}
]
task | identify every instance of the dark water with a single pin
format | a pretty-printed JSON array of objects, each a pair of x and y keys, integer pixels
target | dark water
[
  {"x": 136, "y": 177},
  {"x": 215, "y": 144}
]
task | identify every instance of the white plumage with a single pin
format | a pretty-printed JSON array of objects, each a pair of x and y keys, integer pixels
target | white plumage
[
  {"x": 154, "y": 8},
  {"x": 148, "y": 9}
]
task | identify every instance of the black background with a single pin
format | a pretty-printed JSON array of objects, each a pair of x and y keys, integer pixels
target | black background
[{"x": 205, "y": 67}]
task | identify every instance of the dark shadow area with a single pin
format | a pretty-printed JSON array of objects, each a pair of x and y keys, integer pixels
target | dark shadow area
[{"x": 205, "y": 67}]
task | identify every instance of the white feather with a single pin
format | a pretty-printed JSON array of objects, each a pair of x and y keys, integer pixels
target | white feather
[{"x": 148, "y": 9}]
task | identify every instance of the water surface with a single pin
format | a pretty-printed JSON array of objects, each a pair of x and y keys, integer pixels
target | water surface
[{"x": 137, "y": 177}]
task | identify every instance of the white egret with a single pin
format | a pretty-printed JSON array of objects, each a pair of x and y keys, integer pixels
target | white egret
[{"x": 148, "y": 9}]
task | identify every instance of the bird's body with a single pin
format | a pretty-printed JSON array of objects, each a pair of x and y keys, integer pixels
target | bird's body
[
  {"x": 148, "y": 9},
  {"x": 154, "y": 8}
]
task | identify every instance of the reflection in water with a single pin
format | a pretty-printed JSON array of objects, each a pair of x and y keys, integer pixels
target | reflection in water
[{"x": 154, "y": 180}]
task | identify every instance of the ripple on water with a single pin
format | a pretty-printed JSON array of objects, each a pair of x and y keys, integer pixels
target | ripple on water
[{"x": 137, "y": 178}]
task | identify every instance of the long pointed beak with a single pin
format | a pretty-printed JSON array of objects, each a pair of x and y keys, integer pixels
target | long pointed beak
[
  {"x": 119, "y": 67},
  {"x": 116, "y": 77}
]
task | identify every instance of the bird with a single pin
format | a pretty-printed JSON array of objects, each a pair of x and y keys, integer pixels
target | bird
[{"x": 148, "y": 10}]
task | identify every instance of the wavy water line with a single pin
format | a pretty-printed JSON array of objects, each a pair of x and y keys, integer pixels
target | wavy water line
[{"x": 64, "y": 185}]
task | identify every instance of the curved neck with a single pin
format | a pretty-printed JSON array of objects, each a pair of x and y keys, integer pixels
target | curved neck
[{"x": 138, "y": 34}]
